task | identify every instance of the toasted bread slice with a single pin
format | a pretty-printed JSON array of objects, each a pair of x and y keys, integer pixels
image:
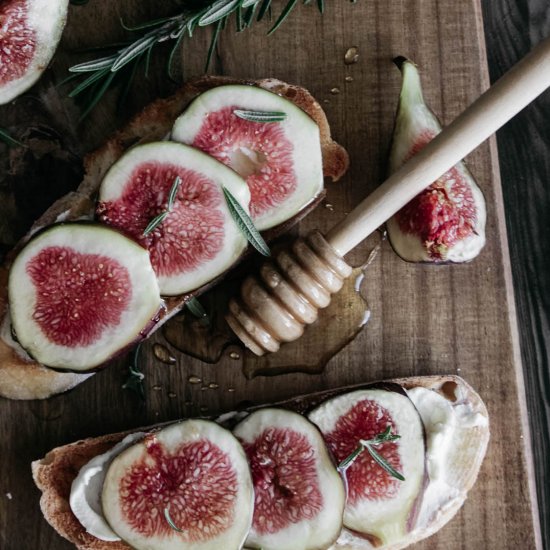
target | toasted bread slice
[
  {"x": 55, "y": 473},
  {"x": 23, "y": 378}
]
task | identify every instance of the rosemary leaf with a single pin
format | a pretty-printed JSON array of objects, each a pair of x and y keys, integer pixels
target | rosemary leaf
[
  {"x": 368, "y": 445},
  {"x": 266, "y": 4},
  {"x": 133, "y": 50},
  {"x": 321, "y": 6},
  {"x": 88, "y": 82},
  {"x": 94, "y": 65},
  {"x": 155, "y": 222},
  {"x": 217, "y": 11},
  {"x": 197, "y": 310},
  {"x": 173, "y": 192},
  {"x": 173, "y": 52},
  {"x": 147, "y": 60},
  {"x": 99, "y": 94},
  {"x": 8, "y": 139},
  {"x": 284, "y": 14},
  {"x": 170, "y": 521},
  {"x": 147, "y": 25},
  {"x": 249, "y": 15},
  {"x": 248, "y": 3},
  {"x": 246, "y": 225},
  {"x": 260, "y": 116},
  {"x": 381, "y": 461},
  {"x": 240, "y": 20},
  {"x": 350, "y": 459},
  {"x": 134, "y": 382},
  {"x": 128, "y": 84},
  {"x": 213, "y": 43}
]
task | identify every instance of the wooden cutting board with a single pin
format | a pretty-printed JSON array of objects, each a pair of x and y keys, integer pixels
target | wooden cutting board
[{"x": 423, "y": 319}]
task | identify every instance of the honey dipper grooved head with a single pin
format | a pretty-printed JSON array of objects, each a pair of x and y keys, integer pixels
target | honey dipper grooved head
[{"x": 275, "y": 306}]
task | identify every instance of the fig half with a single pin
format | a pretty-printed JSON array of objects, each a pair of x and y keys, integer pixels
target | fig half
[
  {"x": 446, "y": 222},
  {"x": 379, "y": 506},
  {"x": 29, "y": 33},
  {"x": 299, "y": 495},
  {"x": 186, "y": 487},
  {"x": 79, "y": 293},
  {"x": 198, "y": 239},
  {"x": 280, "y": 159}
]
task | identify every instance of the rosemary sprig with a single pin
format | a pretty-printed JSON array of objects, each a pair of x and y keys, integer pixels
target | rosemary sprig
[
  {"x": 170, "y": 521},
  {"x": 368, "y": 445},
  {"x": 159, "y": 219},
  {"x": 134, "y": 382},
  {"x": 197, "y": 310},
  {"x": 245, "y": 223},
  {"x": 10, "y": 141},
  {"x": 173, "y": 29},
  {"x": 155, "y": 222},
  {"x": 260, "y": 116}
]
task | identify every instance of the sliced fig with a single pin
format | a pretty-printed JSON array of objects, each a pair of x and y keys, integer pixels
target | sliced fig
[
  {"x": 446, "y": 222},
  {"x": 299, "y": 495},
  {"x": 29, "y": 33},
  {"x": 378, "y": 505},
  {"x": 198, "y": 240},
  {"x": 79, "y": 293},
  {"x": 86, "y": 488},
  {"x": 185, "y": 487},
  {"x": 280, "y": 160}
]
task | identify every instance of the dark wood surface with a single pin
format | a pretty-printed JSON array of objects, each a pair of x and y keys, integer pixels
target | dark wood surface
[
  {"x": 462, "y": 328},
  {"x": 512, "y": 28}
]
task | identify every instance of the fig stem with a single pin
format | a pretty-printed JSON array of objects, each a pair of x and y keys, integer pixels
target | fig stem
[{"x": 368, "y": 445}]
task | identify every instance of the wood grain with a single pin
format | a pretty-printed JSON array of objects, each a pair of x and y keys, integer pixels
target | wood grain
[
  {"x": 512, "y": 29},
  {"x": 425, "y": 320}
]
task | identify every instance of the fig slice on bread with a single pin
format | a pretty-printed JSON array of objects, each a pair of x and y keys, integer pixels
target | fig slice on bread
[
  {"x": 196, "y": 239},
  {"x": 299, "y": 495},
  {"x": 457, "y": 433},
  {"x": 267, "y": 139},
  {"x": 379, "y": 504},
  {"x": 79, "y": 294},
  {"x": 22, "y": 377},
  {"x": 186, "y": 487}
]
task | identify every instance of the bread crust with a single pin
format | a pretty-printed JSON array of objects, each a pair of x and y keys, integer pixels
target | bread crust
[
  {"x": 55, "y": 473},
  {"x": 23, "y": 378}
]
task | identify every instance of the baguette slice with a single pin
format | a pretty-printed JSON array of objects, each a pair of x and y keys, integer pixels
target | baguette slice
[
  {"x": 23, "y": 378},
  {"x": 55, "y": 473}
]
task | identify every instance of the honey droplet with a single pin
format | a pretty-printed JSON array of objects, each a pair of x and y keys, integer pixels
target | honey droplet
[
  {"x": 234, "y": 355},
  {"x": 351, "y": 56},
  {"x": 194, "y": 379},
  {"x": 213, "y": 385},
  {"x": 335, "y": 91},
  {"x": 162, "y": 353},
  {"x": 172, "y": 394},
  {"x": 349, "y": 78}
]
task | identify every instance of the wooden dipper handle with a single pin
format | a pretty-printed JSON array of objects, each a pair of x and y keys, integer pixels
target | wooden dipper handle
[{"x": 276, "y": 307}]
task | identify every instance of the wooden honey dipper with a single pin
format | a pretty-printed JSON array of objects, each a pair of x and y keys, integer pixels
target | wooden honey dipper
[{"x": 275, "y": 306}]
